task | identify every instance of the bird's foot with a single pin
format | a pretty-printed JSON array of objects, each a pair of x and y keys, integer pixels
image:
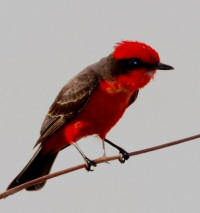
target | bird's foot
[
  {"x": 125, "y": 156},
  {"x": 89, "y": 164}
]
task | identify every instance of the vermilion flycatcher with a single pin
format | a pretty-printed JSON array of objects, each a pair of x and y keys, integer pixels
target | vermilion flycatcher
[{"x": 91, "y": 104}]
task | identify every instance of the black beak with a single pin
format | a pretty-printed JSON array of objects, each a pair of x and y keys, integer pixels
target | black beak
[{"x": 161, "y": 66}]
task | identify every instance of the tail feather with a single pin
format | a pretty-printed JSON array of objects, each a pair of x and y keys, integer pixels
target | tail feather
[{"x": 39, "y": 165}]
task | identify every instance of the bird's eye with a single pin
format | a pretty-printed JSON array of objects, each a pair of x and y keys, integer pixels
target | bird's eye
[
  {"x": 135, "y": 63},
  {"x": 128, "y": 65}
]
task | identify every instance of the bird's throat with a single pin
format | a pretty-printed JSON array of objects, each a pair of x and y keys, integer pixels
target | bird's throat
[{"x": 128, "y": 83}]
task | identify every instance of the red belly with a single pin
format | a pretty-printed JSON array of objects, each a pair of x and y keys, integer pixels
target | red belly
[{"x": 100, "y": 114}]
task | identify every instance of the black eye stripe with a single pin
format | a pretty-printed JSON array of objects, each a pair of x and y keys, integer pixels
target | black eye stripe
[
  {"x": 132, "y": 63},
  {"x": 127, "y": 65}
]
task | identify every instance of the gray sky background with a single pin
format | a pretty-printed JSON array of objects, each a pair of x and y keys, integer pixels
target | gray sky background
[{"x": 43, "y": 44}]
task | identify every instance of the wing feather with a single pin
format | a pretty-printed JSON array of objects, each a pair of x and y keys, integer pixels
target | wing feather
[{"x": 69, "y": 102}]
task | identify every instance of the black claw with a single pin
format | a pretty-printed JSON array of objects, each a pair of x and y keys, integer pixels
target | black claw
[
  {"x": 125, "y": 156},
  {"x": 89, "y": 164}
]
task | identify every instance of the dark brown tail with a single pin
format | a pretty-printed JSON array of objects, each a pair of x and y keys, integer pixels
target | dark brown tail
[{"x": 39, "y": 165}]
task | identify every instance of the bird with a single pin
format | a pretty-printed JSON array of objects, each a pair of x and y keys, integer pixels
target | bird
[{"x": 92, "y": 103}]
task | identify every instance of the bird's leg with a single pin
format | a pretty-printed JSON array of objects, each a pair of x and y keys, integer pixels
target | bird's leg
[
  {"x": 125, "y": 154},
  {"x": 104, "y": 148},
  {"x": 89, "y": 163}
]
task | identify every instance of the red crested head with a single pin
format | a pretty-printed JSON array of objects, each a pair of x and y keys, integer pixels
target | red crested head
[
  {"x": 135, "y": 64},
  {"x": 134, "y": 49}
]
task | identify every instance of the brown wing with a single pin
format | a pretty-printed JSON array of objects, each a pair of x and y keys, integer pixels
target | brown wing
[{"x": 69, "y": 102}]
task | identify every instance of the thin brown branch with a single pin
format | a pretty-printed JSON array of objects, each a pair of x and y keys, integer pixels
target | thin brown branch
[{"x": 98, "y": 161}]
